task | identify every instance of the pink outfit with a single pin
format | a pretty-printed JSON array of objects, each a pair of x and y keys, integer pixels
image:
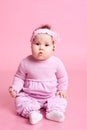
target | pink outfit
[{"x": 36, "y": 83}]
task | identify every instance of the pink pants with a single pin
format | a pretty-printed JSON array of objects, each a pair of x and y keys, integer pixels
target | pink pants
[{"x": 25, "y": 104}]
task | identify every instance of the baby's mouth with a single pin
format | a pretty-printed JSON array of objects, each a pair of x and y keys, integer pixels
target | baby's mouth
[{"x": 40, "y": 53}]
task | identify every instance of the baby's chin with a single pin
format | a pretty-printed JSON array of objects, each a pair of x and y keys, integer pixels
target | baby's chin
[{"x": 41, "y": 58}]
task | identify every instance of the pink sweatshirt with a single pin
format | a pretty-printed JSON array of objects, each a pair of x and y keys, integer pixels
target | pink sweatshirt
[{"x": 40, "y": 78}]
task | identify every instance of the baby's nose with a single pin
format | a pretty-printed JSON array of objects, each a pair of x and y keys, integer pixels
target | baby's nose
[{"x": 41, "y": 47}]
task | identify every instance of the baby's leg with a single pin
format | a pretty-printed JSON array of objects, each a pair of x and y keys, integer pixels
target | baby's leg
[
  {"x": 26, "y": 104},
  {"x": 56, "y": 103},
  {"x": 55, "y": 108}
]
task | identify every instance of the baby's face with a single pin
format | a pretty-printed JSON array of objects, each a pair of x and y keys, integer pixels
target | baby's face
[{"x": 42, "y": 46}]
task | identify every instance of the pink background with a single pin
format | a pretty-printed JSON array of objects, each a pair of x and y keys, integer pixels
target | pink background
[{"x": 18, "y": 18}]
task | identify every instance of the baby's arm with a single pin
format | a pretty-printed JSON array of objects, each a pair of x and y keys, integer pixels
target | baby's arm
[
  {"x": 18, "y": 81},
  {"x": 62, "y": 79}
]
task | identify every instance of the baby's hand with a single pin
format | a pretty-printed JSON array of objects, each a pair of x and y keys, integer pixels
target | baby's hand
[
  {"x": 61, "y": 93},
  {"x": 12, "y": 92}
]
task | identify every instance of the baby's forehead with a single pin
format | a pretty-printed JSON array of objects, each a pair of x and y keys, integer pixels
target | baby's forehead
[{"x": 43, "y": 37}]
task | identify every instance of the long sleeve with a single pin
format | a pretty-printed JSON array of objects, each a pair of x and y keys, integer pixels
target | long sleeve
[
  {"x": 62, "y": 77},
  {"x": 18, "y": 80}
]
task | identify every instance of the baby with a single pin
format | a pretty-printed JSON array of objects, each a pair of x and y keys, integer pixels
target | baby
[{"x": 41, "y": 80}]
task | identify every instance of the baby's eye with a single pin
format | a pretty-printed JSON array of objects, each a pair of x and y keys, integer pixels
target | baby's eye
[
  {"x": 37, "y": 44},
  {"x": 46, "y": 44}
]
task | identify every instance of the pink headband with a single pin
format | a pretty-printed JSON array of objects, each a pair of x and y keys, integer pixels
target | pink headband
[{"x": 44, "y": 31}]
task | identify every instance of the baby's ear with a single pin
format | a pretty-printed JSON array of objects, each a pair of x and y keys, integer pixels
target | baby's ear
[{"x": 53, "y": 47}]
